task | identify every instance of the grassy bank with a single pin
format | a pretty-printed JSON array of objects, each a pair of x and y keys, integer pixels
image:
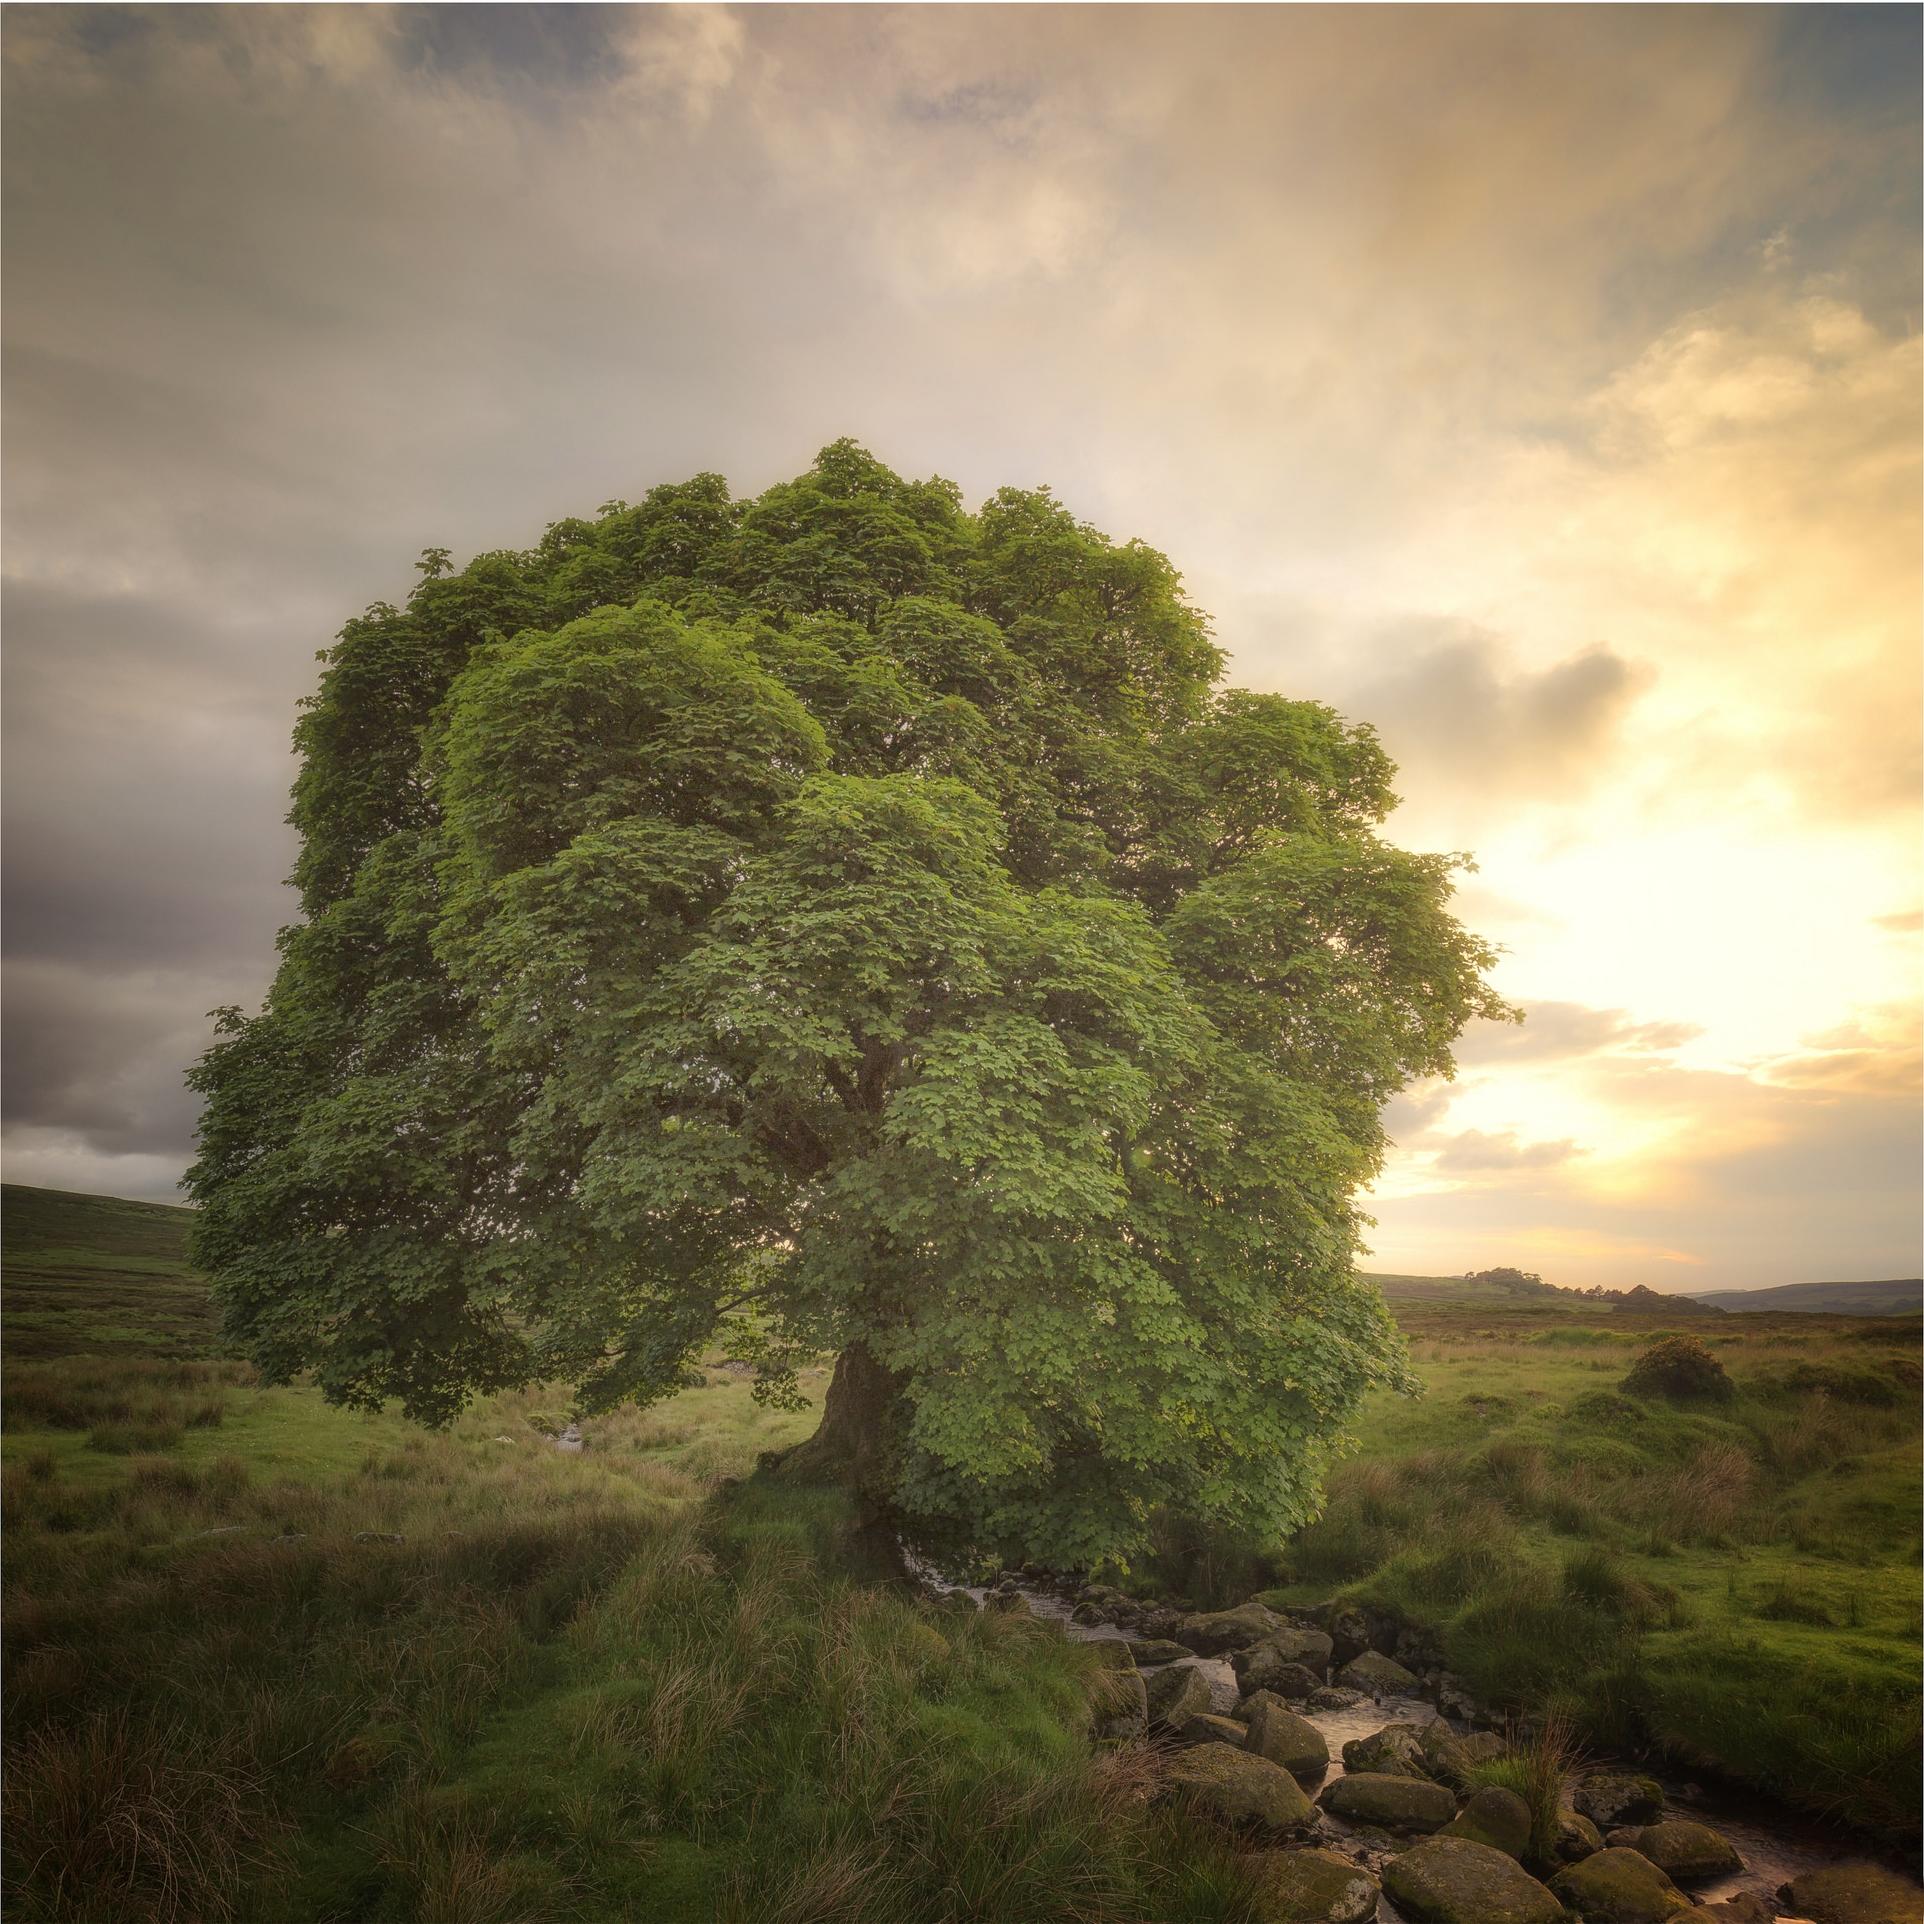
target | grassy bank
[
  {"x": 1736, "y": 1579},
  {"x": 267, "y": 1659}
]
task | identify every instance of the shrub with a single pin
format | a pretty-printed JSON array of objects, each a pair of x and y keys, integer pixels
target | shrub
[{"x": 1680, "y": 1369}]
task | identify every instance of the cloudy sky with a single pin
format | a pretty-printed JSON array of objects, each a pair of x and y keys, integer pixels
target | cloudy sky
[{"x": 1541, "y": 385}]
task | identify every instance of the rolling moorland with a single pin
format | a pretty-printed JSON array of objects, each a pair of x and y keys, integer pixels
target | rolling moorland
[{"x": 266, "y": 1659}]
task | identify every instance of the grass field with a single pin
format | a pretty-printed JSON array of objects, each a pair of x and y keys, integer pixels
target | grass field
[
  {"x": 1737, "y": 1579},
  {"x": 268, "y": 1660},
  {"x": 271, "y": 1661}
]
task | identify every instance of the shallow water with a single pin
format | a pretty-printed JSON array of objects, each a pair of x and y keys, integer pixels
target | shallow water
[{"x": 1775, "y": 1845}]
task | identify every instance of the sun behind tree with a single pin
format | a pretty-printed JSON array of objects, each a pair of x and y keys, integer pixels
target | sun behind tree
[{"x": 867, "y": 923}]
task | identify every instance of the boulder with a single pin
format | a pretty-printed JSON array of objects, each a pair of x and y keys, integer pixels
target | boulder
[
  {"x": 1335, "y": 1697},
  {"x": 1451, "y": 1880},
  {"x": 1110, "y": 1652},
  {"x": 1310, "y": 1887},
  {"x": 1376, "y": 1676},
  {"x": 1285, "y": 1679},
  {"x": 1276, "y": 1732},
  {"x": 1494, "y": 1816},
  {"x": 1577, "y": 1837},
  {"x": 1453, "y": 1698},
  {"x": 1451, "y": 1759},
  {"x": 1394, "y": 1751},
  {"x": 1855, "y": 1894},
  {"x": 1686, "y": 1852},
  {"x": 1177, "y": 1694},
  {"x": 1121, "y": 1709},
  {"x": 1239, "y": 1789},
  {"x": 1745, "y": 1908},
  {"x": 1207, "y": 1729},
  {"x": 1354, "y": 1628},
  {"x": 1150, "y": 1650},
  {"x": 1214, "y": 1633},
  {"x": 1618, "y": 1887},
  {"x": 1612, "y": 1797},
  {"x": 1394, "y": 1803},
  {"x": 1291, "y": 1644}
]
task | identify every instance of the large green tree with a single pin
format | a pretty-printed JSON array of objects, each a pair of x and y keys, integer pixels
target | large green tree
[{"x": 868, "y": 923}]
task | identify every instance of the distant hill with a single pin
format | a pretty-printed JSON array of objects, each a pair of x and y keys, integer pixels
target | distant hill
[
  {"x": 1902, "y": 1297},
  {"x": 98, "y": 1274}
]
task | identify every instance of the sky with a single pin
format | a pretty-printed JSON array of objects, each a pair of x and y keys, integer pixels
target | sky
[{"x": 1540, "y": 385}]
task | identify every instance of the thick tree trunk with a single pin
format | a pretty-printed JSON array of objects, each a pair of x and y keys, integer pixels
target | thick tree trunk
[{"x": 855, "y": 1445}]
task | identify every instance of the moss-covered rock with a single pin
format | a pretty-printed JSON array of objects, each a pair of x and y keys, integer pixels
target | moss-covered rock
[
  {"x": 1263, "y": 1664},
  {"x": 1376, "y": 1675},
  {"x": 1238, "y": 1789},
  {"x": 1119, "y": 1707},
  {"x": 1177, "y": 1694},
  {"x": 1452, "y": 1758},
  {"x": 1612, "y": 1797},
  {"x": 1152, "y": 1650},
  {"x": 1453, "y": 1880},
  {"x": 1395, "y": 1803},
  {"x": 1276, "y": 1732},
  {"x": 1394, "y": 1751},
  {"x": 1310, "y": 1887},
  {"x": 1689, "y": 1853},
  {"x": 1577, "y": 1837},
  {"x": 1618, "y": 1887},
  {"x": 1212, "y": 1633},
  {"x": 1205, "y": 1728},
  {"x": 1855, "y": 1894},
  {"x": 1494, "y": 1816}
]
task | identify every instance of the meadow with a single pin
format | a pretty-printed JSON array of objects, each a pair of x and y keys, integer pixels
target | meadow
[{"x": 269, "y": 1660}]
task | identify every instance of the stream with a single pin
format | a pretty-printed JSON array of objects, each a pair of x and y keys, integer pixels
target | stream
[{"x": 1775, "y": 1845}]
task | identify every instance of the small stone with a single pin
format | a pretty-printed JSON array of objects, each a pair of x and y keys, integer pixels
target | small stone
[
  {"x": 1618, "y": 1887},
  {"x": 1241, "y": 1790},
  {"x": 1310, "y": 1887},
  {"x": 1451, "y": 1880},
  {"x": 1394, "y": 1803}
]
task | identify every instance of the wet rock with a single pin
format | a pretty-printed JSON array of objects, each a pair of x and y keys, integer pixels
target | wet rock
[
  {"x": 1285, "y": 1679},
  {"x": 1354, "y": 1628},
  {"x": 1203, "y": 1728},
  {"x": 1177, "y": 1694},
  {"x": 1618, "y": 1887},
  {"x": 1855, "y": 1894},
  {"x": 1376, "y": 1676},
  {"x": 1453, "y": 1698},
  {"x": 1147, "y": 1650},
  {"x": 1396, "y": 1803},
  {"x": 1612, "y": 1797},
  {"x": 1310, "y": 1887},
  {"x": 1496, "y": 1817},
  {"x": 1453, "y": 1880},
  {"x": 1745, "y": 1908},
  {"x": 1290, "y": 1647},
  {"x": 1452, "y": 1758},
  {"x": 1121, "y": 1708},
  {"x": 1240, "y": 1789},
  {"x": 1577, "y": 1837},
  {"x": 1276, "y": 1732},
  {"x": 1335, "y": 1697},
  {"x": 1214, "y": 1633},
  {"x": 1394, "y": 1751},
  {"x": 1689, "y": 1853}
]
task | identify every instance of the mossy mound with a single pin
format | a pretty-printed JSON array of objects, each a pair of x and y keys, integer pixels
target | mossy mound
[{"x": 1681, "y": 1370}]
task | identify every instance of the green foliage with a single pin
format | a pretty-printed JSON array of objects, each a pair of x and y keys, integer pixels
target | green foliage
[
  {"x": 864, "y": 918},
  {"x": 1680, "y": 1368}
]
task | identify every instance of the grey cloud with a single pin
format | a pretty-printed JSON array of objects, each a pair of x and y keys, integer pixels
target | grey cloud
[
  {"x": 1454, "y": 712},
  {"x": 1474, "y": 1152},
  {"x": 1554, "y": 1031}
]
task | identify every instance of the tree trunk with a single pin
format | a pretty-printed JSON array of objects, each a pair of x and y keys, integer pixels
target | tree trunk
[{"x": 855, "y": 1445}]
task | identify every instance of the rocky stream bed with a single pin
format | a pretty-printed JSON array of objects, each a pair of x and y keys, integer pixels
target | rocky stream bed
[{"x": 1338, "y": 1744}]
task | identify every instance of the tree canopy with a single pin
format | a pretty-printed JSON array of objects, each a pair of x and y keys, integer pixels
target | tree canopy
[{"x": 867, "y": 925}]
